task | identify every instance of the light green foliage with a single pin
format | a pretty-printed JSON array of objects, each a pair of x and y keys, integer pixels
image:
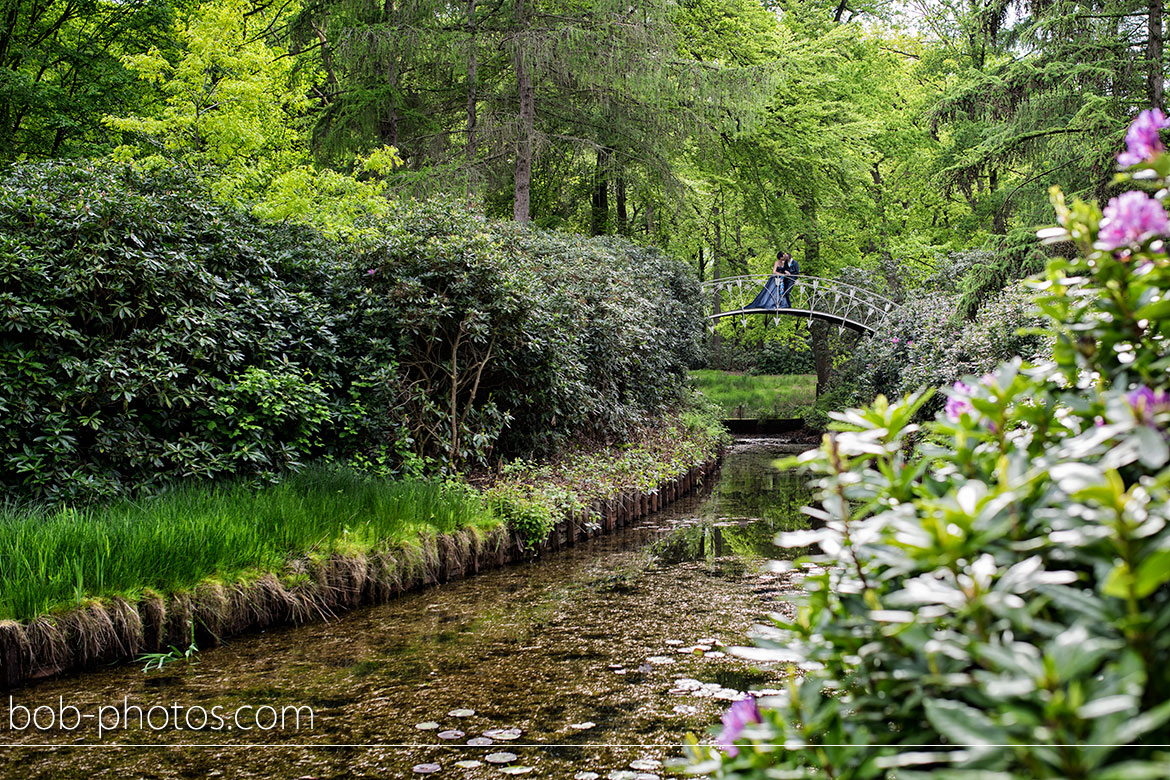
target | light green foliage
[
  {"x": 234, "y": 106},
  {"x": 994, "y": 602}
]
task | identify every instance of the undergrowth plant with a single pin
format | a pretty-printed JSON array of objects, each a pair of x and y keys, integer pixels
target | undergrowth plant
[{"x": 994, "y": 602}]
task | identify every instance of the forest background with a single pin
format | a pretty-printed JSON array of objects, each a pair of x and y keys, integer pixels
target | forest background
[{"x": 905, "y": 147}]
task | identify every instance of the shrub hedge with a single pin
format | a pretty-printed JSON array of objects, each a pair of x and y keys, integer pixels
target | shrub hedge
[{"x": 148, "y": 333}]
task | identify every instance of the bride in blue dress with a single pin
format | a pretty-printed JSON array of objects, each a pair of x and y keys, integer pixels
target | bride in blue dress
[{"x": 772, "y": 296}]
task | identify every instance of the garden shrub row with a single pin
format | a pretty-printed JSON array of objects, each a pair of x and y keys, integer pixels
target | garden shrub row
[{"x": 148, "y": 333}]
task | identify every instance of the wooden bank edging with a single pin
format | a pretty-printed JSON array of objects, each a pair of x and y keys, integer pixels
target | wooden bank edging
[{"x": 116, "y": 630}]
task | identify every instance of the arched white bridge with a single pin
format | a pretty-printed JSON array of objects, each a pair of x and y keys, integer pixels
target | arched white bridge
[{"x": 812, "y": 297}]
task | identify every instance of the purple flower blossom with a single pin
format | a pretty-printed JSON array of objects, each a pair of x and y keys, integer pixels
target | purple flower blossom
[
  {"x": 894, "y": 339},
  {"x": 1132, "y": 218},
  {"x": 372, "y": 271},
  {"x": 1146, "y": 403},
  {"x": 735, "y": 718},
  {"x": 957, "y": 404},
  {"x": 1142, "y": 140}
]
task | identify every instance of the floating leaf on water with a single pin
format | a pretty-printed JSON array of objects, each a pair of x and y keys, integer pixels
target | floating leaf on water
[
  {"x": 616, "y": 666},
  {"x": 505, "y": 734},
  {"x": 715, "y": 654},
  {"x": 687, "y": 684},
  {"x": 516, "y": 770},
  {"x": 587, "y": 724},
  {"x": 426, "y": 769},
  {"x": 622, "y": 774},
  {"x": 685, "y": 709},
  {"x": 429, "y": 725},
  {"x": 461, "y": 713},
  {"x": 586, "y": 776},
  {"x": 500, "y": 758},
  {"x": 646, "y": 776},
  {"x": 479, "y": 742},
  {"x": 645, "y": 764},
  {"x": 450, "y": 734},
  {"x": 660, "y": 659},
  {"x": 707, "y": 641},
  {"x": 674, "y": 641},
  {"x": 468, "y": 764}
]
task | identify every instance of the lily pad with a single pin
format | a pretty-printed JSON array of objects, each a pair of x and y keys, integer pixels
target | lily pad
[
  {"x": 660, "y": 660},
  {"x": 645, "y": 764},
  {"x": 516, "y": 770},
  {"x": 429, "y": 725},
  {"x": 588, "y": 724},
  {"x": 503, "y": 757},
  {"x": 586, "y": 776},
  {"x": 461, "y": 713},
  {"x": 468, "y": 764},
  {"x": 685, "y": 709},
  {"x": 451, "y": 734},
  {"x": 715, "y": 654},
  {"x": 646, "y": 776},
  {"x": 622, "y": 774},
  {"x": 480, "y": 742},
  {"x": 505, "y": 734},
  {"x": 426, "y": 769},
  {"x": 674, "y": 642}
]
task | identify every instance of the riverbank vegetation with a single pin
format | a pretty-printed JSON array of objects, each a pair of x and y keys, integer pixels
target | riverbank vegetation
[
  {"x": 756, "y": 395},
  {"x": 995, "y": 601}
]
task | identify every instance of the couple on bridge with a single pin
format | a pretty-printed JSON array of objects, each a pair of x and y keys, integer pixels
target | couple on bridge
[{"x": 775, "y": 292}]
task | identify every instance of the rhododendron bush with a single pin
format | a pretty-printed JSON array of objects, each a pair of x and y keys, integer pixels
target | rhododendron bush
[{"x": 994, "y": 601}]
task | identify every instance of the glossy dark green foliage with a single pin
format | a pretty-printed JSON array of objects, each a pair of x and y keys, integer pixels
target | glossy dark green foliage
[{"x": 149, "y": 333}]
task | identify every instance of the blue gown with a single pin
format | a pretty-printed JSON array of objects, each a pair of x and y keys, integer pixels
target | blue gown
[{"x": 770, "y": 297}]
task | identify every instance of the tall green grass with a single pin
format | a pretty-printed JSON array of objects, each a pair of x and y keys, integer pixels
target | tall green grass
[
  {"x": 763, "y": 396},
  {"x": 56, "y": 558}
]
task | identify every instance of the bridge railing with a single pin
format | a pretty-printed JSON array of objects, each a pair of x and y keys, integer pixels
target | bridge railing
[{"x": 812, "y": 296}]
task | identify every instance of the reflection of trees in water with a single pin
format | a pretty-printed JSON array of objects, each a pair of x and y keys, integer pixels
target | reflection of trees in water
[
  {"x": 708, "y": 541},
  {"x": 750, "y": 487}
]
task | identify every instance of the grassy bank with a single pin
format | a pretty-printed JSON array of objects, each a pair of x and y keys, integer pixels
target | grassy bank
[
  {"x": 171, "y": 543},
  {"x": 762, "y": 396}
]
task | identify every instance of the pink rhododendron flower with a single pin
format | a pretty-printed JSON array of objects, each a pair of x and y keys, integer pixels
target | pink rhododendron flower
[
  {"x": 1132, "y": 218},
  {"x": 957, "y": 404},
  {"x": 1142, "y": 140},
  {"x": 737, "y": 716},
  {"x": 1146, "y": 403}
]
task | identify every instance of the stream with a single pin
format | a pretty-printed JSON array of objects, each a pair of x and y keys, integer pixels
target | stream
[{"x": 582, "y": 663}]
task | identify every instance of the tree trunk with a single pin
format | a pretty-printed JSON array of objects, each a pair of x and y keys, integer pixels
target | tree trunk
[
  {"x": 623, "y": 219},
  {"x": 472, "y": 93},
  {"x": 716, "y": 275},
  {"x": 999, "y": 219},
  {"x": 822, "y": 354},
  {"x": 1154, "y": 75},
  {"x": 522, "y": 188},
  {"x": 818, "y": 330},
  {"x": 599, "y": 217},
  {"x": 889, "y": 268}
]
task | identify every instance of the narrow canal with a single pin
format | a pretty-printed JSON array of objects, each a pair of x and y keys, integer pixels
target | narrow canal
[{"x": 593, "y": 662}]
